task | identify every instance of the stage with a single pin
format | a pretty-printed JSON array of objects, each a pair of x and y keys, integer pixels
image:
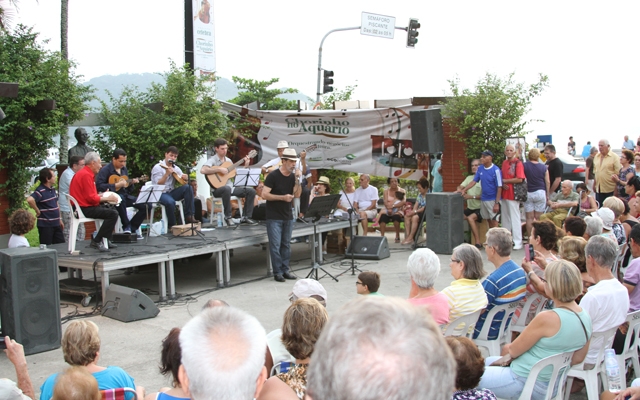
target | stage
[{"x": 164, "y": 250}]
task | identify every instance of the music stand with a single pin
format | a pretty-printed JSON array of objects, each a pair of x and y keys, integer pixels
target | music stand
[
  {"x": 247, "y": 177},
  {"x": 319, "y": 207},
  {"x": 149, "y": 194}
]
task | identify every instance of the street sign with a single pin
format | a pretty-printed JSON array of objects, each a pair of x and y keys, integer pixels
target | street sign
[{"x": 377, "y": 25}]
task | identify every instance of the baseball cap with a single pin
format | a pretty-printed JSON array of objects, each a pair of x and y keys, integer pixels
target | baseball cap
[
  {"x": 305, "y": 288},
  {"x": 283, "y": 144},
  {"x": 606, "y": 215},
  {"x": 487, "y": 153}
]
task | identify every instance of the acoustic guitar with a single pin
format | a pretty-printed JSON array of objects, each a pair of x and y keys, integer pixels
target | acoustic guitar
[
  {"x": 218, "y": 180},
  {"x": 278, "y": 165},
  {"x": 113, "y": 179},
  {"x": 175, "y": 175}
]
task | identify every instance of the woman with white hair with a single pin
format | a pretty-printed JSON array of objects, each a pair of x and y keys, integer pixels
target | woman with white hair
[
  {"x": 594, "y": 226},
  {"x": 424, "y": 267}
]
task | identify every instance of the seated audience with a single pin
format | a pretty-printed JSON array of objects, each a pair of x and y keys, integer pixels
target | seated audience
[
  {"x": 572, "y": 250},
  {"x": 81, "y": 348},
  {"x": 364, "y": 352},
  {"x": 630, "y": 282},
  {"x": 587, "y": 202},
  {"x": 393, "y": 211},
  {"x": 170, "y": 364},
  {"x": 466, "y": 294},
  {"x": 559, "y": 204},
  {"x": 617, "y": 206},
  {"x": 608, "y": 217},
  {"x": 470, "y": 369},
  {"x": 413, "y": 217},
  {"x": 424, "y": 267},
  {"x": 301, "y": 328},
  {"x": 574, "y": 226},
  {"x": 504, "y": 285},
  {"x": 368, "y": 283},
  {"x": 628, "y": 222},
  {"x": 76, "y": 383},
  {"x": 565, "y": 328},
  {"x": 365, "y": 202},
  {"x": 23, "y": 390},
  {"x": 594, "y": 226},
  {"x": 21, "y": 222}
]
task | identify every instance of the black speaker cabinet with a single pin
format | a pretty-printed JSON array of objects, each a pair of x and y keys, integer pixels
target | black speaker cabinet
[
  {"x": 445, "y": 228},
  {"x": 30, "y": 298},
  {"x": 426, "y": 131},
  {"x": 368, "y": 248},
  {"x": 126, "y": 304}
]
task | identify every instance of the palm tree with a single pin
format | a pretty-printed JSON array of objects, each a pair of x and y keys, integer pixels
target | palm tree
[
  {"x": 7, "y": 13},
  {"x": 64, "y": 27}
]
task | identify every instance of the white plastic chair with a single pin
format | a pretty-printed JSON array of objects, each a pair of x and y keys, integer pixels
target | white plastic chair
[
  {"x": 165, "y": 223},
  {"x": 520, "y": 323},
  {"x": 619, "y": 259},
  {"x": 560, "y": 364},
  {"x": 590, "y": 377},
  {"x": 631, "y": 343},
  {"x": 77, "y": 218},
  {"x": 493, "y": 346},
  {"x": 219, "y": 199},
  {"x": 468, "y": 322}
]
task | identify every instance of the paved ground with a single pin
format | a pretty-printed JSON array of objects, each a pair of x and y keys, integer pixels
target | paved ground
[{"x": 135, "y": 346}]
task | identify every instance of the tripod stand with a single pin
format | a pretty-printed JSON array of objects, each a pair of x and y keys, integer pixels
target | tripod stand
[
  {"x": 350, "y": 211},
  {"x": 194, "y": 231},
  {"x": 320, "y": 206}
]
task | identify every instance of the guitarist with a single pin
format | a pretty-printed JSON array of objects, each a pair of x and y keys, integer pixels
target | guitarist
[
  {"x": 163, "y": 174},
  {"x": 213, "y": 166},
  {"x": 301, "y": 198},
  {"x": 118, "y": 167}
]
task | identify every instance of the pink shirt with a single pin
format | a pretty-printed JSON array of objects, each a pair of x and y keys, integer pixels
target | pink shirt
[{"x": 437, "y": 304}]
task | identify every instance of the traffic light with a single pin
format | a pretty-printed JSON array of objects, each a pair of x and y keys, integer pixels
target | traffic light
[
  {"x": 328, "y": 82},
  {"x": 412, "y": 32}
]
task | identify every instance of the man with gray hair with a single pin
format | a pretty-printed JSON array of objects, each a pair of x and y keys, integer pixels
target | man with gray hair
[
  {"x": 222, "y": 355},
  {"x": 605, "y": 164},
  {"x": 365, "y": 202},
  {"x": 607, "y": 301},
  {"x": 381, "y": 348},
  {"x": 560, "y": 203},
  {"x": 504, "y": 285}
]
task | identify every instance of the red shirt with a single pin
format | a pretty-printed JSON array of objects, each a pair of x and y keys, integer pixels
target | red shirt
[
  {"x": 83, "y": 188},
  {"x": 511, "y": 169}
]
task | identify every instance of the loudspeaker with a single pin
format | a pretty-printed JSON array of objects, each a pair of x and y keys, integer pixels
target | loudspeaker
[
  {"x": 30, "y": 298},
  {"x": 445, "y": 228},
  {"x": 127, "y": 304},
  {"x": 368, "y": 248},
  {"x": 426, "y": 131}
]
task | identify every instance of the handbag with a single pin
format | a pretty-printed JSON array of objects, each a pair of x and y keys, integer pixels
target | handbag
[{"x": 520, "y": 190}]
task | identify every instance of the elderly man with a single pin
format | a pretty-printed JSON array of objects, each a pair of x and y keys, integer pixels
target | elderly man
[
  {"x": 555, "y": 167},
  {"x": 76, "y": 163},
  {"x": 490, "y": 177},
  {"x": 24, "y": 389},
  {"x": 83, "y": 189},
  {"x": 365, "y": 202},
  {"x": 605, "y": 164},
  {"x": 504, "y": 285},
  {"x": 222, "y": 355},
  {"x": 628, "y": 143},
  {"x": 560, "y": 204},
  {"x": 512, "y": 173},
  {"x": 365, "y": 352}
]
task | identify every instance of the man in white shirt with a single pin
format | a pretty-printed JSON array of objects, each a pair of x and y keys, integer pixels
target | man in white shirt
[
  {"x": 76, "y": 163},
  {"x": 366, "y": 202},
  {"x": 607, "y": 301},
  {"x": 165, "y": 173}
]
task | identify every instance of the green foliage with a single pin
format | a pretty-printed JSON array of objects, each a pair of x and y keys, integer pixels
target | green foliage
[
  {"x": 334, "y": 175},
  {"x": 486, "y": 116},
  {"x": 27, "y": 133},
  {"x": 252, "y": 90},
  {"x": 190, "y": 120},
  {"x": 338, "y": 95}
]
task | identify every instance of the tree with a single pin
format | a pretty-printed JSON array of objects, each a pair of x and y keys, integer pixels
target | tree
[
  {"x": 190, "y": 120},
  {"x": 252, "y": 90},
  {"x": 494, "y": 111},
  {"x": 64, "y": 28},
  {"x": 26, "y": 133},
  {"x": 339, "y": 95}
]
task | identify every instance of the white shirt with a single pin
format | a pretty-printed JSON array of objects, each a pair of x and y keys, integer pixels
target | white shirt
[
  {"x": 18, "y": 241},
  {"x": 158, "y": 172},
  {"x": 365, "y": 197},
  {"x": 63, "y": 188},
  {"x": 216, "y": 161},
  {"x": 607, "y": 303}
]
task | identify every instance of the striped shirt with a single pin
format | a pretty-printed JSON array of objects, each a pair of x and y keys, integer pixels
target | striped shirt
[
  {"x": 504, "y": 285},
  {"x": 465, "y": 296},
  {"x": 47, "y": 202}
]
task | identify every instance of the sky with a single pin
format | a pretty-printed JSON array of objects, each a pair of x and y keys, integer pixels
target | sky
[{"x": 587, "y": 49}]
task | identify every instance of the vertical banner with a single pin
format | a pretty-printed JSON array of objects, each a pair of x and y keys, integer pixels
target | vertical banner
[{"x": 203, "y": 39}]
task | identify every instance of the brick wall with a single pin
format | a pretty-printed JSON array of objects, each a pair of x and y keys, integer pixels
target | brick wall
[{"x": 453, "y": 156}]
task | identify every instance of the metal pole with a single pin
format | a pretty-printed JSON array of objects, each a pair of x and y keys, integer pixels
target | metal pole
[{"x": 318, "y": 91}]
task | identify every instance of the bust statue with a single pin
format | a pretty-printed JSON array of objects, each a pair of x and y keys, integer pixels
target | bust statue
[{"x": 81, "y": 148}]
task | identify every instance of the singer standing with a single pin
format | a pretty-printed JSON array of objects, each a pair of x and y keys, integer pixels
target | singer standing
[{"x": 164, "y": 173}]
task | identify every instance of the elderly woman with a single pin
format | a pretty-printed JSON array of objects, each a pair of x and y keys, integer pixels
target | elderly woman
[
  {"x": 393, "y": 207},
  {"x": 466, "y": 294},
  {"x": 572, "y": 250},
  {"x": 594, "y": 226},
  {"x": 565, "y": 328},
  {"x": 470, "y": 369},
  {"x": 412, "y": 218},
  {"x": 617, "y": 206},
  {"x": 301, "y": 328},
  {"x": 627, "y": 171},
  {"x": 424, "y": 267},
  {"x": 170, "y": 364},
  {"x": 537, "y": 187},
  {"x": 81, "y": 348}
]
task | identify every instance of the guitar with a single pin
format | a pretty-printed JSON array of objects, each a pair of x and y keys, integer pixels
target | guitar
[
  {"x": 113, "y": 179},
  {"x": 278, "y": 165},
  {"x": 175, "y": 175},
  {"x": 218, "y": 180}
]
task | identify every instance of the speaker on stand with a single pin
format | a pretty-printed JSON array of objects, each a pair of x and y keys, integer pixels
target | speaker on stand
[
  {"x": 30, "y": 298},
  {"x": 426, "y": 131}
]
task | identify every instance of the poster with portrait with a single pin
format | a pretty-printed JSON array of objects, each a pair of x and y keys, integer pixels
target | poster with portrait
[
  {"x": 204, "y": 55},
  {"x": 520, "y": 145}
]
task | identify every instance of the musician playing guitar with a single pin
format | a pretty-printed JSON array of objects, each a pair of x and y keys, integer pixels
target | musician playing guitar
[
  {"x": 165, "y": 173},
  {"x": 214, "y": 166},
  {"x": 123, "y": 187}
]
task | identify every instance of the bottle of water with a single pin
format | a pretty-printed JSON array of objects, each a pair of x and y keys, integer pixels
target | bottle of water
[
  {"x": 613, "y": 370},
  {"x": 219, "y": 217}
]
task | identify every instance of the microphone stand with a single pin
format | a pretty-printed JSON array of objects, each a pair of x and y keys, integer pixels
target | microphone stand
[
  {"x": 350, "y": 211},
  {"x": 194, "y": 231}
]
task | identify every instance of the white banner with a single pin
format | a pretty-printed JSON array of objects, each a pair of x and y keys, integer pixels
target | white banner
[
  {"x": 377, "y": 142},
  {"x": 204, "y": 54}
]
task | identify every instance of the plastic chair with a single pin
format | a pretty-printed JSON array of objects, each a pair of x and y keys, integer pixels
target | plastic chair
[
  {"x": 493, "y": 346},
  {"x": 219, "y": 199},
  {"x": 619, "y": 259},
  {"x": 631, "y": 343},
  {"x": 77, "y": 218},
  {"x": 165, "y": 223},
  {"x": 468, "y": 322},
  {"x": 280, "y": 368},
  {"x": 520, "y": 324},
  {"x": 560, "y": 364},
  {"x": 590, "y": 377},
  {"x": 118, "y": 394}
]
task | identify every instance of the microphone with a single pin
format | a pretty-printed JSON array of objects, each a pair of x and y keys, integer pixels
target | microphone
[{"x": 171, "y": 162}]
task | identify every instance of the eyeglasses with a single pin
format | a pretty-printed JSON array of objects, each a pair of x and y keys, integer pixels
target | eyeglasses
[
  {"x": 359, "y": 283},
  {"x": 454, "y": 260}
]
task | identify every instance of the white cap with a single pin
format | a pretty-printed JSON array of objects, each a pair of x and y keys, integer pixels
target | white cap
[
  {"x": 606, "y": 215},
  {"x": 305, "y": 288},
  {"x": 283, "y": 144}
]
